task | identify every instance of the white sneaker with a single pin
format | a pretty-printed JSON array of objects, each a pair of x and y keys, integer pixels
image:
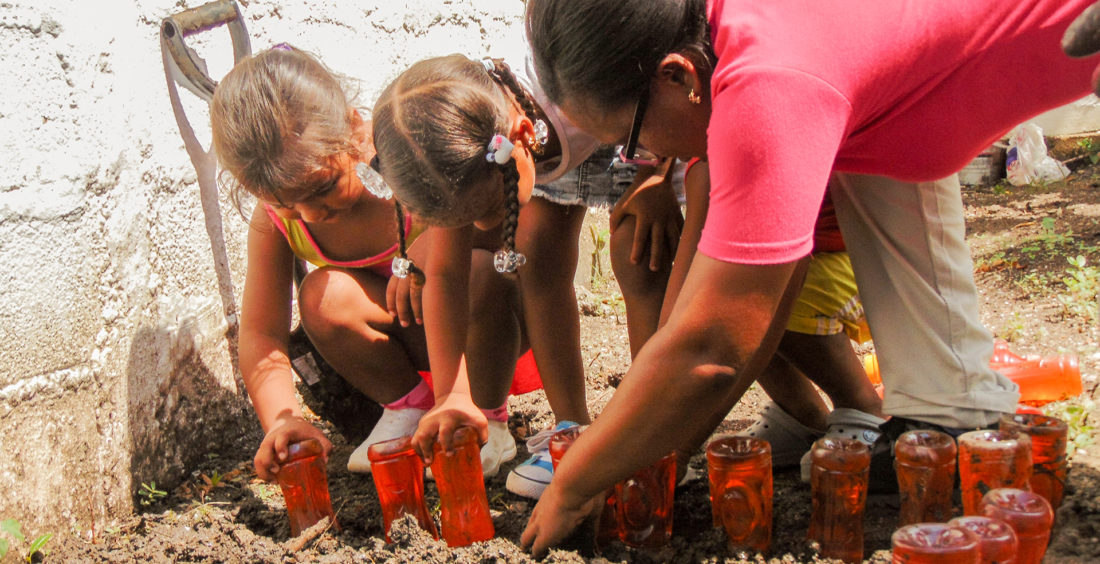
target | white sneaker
[
  {"x": 500, "y": 448},
  {"x": 394, "y": 423},
  {"x": 788, "y": 438},
  {"x": 531, "y": 478}
]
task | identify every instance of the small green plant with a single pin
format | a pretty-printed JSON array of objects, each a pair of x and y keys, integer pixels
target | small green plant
[
  {"x": 1088, "y": 146},
  {"x": 1075, "y": 413},
  {"x": 1013, "y": 328},
  {"x": 599, "y": 242},
  {"x": 12, "y": 528},
  {"x": 1082, "y": 284},
  {"x": 149, "y": 494}
]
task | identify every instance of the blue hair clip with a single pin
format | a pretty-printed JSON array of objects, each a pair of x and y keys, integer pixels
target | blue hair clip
[{"x": 283, "y": 47}]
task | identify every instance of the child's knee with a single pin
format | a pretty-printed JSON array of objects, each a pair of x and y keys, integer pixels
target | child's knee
[{"x": 327, "y": 301}]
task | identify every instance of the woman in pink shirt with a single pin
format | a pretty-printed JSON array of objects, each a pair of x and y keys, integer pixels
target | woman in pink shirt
[{"x": 894, "y": 97}]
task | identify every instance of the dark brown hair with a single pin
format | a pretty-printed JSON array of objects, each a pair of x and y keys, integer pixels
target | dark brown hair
[
  {"x": 432, "y": 127},
  {"x": 276, "y": 118},
  {"x": 604, "y": 52}
]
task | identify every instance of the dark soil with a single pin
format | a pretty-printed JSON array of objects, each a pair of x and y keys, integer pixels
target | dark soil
[{"x": 1021, "y": 238}]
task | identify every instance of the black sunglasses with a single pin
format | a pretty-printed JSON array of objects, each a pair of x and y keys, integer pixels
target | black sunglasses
[{"x": 631, "y": 148}]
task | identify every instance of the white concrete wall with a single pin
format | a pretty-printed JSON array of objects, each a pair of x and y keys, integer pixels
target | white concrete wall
[
  {"x": 117, "y": 359},
  {"x": 1081, "y": 116}
]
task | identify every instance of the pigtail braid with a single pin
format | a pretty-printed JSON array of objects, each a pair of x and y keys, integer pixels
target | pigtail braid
[
  {"x": 503, "y": 75},
  {"x": 511, "y": 217},
  {"x": 507, "y": 260},
  {"x": 402, "y": 266}
]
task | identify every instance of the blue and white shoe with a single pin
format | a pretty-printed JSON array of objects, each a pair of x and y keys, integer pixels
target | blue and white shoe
[{"x": 531, "y": 478}]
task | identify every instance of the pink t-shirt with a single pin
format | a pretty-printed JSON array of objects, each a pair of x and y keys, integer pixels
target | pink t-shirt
[{"x": 910, "y": 89}]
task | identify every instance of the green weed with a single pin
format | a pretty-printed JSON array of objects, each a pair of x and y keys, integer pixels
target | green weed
[
  {"x": 149, "y": 494},
  {"x": 1082, "y": 282},
  {"x": 1013, "y": 328},
  {"x": 1074, "y": 412},
  {"x": 1088, "y": 147},
  {"x": 12, "y": 528},
  {"x": 599, "y": 242}
]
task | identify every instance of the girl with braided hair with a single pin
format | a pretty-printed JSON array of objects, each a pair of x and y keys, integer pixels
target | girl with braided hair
[
  {"x": 464, "y": 144},
  {"x": 285, "y": 132}
]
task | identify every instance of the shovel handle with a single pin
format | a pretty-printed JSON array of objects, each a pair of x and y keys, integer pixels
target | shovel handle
[{"x": 201, "y": 18}]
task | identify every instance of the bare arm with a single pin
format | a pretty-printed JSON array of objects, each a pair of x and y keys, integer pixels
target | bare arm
[
  {"x": 446, "y": 301},
  {"x": 697, "y": 192},
  {"x": 721, "y": 333},
  {"x": 265, "y": 329}
]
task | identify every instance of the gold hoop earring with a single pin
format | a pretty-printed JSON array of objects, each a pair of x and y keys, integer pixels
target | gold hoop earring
[{"x": 694, "y": 98}]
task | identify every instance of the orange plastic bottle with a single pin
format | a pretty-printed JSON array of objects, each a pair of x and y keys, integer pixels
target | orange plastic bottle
[
  {"x": 399, "y": 479},
  {"x": 1041, "y": 380},
  {"x": 740, "y": 473},
  {"x": 644, "y": 504},
  {"x": 838, "y": 484},
  {"x": 304, "y": 482},
  {"x": 991, "y": 459},
  {"x": 925, "y": 464},
  {"x": 1004, "y": 355},
  {"x": 1030, "y": 516},
  {"x": 998, "y": 540},
  {"x": 608, "y": 526},
  {"x": 1044, "y": 380},
  {"x": 1049, "y": 436},
  {"x": 464, "y": 507},
  {"x": 561, "y": 441},
  {"x": 935, "y": 543}
]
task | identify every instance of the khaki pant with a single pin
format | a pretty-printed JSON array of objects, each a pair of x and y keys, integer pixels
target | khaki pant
[{"x": 916, "y": 279}]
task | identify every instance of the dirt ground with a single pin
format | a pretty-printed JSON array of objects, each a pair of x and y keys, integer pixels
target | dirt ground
[{"x": 1021, "y": 239}]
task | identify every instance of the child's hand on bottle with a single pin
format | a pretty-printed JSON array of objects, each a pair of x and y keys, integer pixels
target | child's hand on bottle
[
  {"x": 443, "y": 420},
  {"x": 273, "y": 450}
]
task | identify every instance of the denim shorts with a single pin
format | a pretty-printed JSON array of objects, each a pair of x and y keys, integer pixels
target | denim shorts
[{"x": 595, "y": 183}]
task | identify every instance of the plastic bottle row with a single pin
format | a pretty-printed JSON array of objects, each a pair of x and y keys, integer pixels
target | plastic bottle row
[
  {"x": 1014, "y": 474},
  {"x": 1023, "y": 461}
]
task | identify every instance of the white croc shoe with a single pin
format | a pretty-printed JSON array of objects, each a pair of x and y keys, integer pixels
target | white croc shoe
[
  {"x": 788, "y": 438},
  {"x": 847, "y": 423},
  {"x": 394, "y": 423}
]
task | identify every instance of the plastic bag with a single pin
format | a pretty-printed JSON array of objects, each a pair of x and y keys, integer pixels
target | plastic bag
[{"x": 1027, "y": 160}]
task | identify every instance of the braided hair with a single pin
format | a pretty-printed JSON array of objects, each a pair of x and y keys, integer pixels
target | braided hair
[{"x": 432, "y": 130}]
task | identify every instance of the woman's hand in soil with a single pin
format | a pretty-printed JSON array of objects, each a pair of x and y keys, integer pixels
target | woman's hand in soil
[
  {"x": 555, "y": 518},
  {"x": 440, "y": 424},
  {"x": 273, "y": 450}
]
